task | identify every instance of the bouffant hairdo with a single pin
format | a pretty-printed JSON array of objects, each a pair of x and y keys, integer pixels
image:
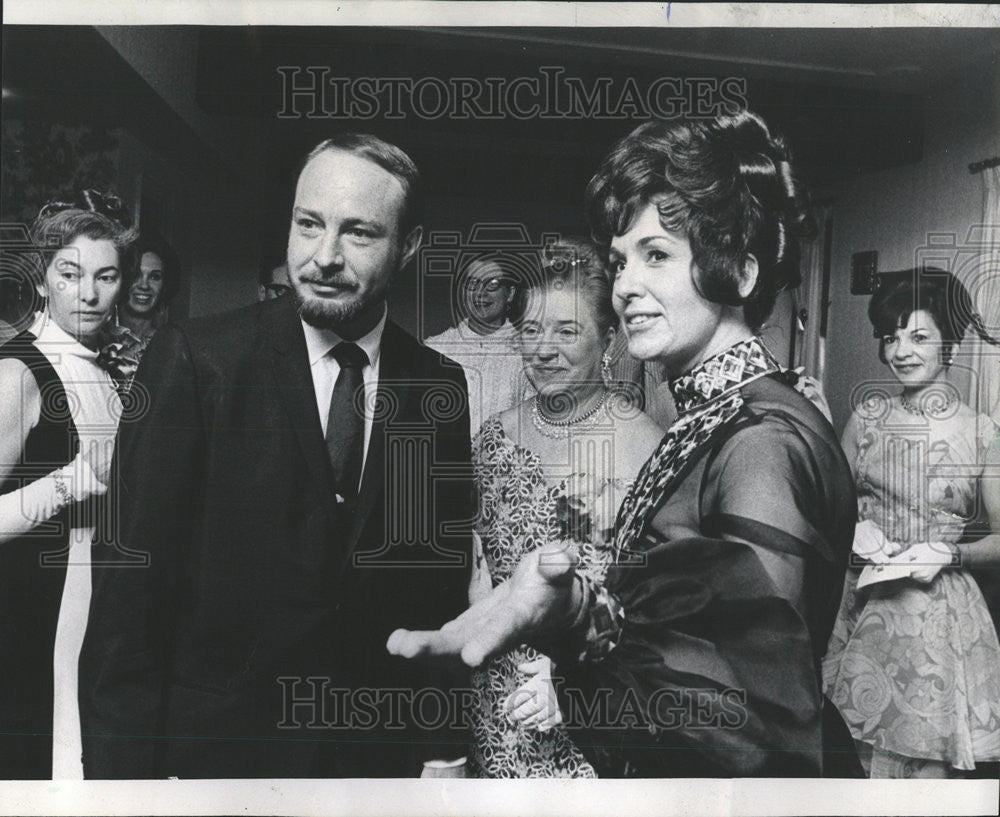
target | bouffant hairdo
[
  {"x": 572, "y": 262},
  {"x": 932, "y": 290},
  {"x": 727, "y": 185},
  {"x": 97, "y": 216}
]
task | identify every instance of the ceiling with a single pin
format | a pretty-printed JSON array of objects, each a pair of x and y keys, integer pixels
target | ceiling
[{"x": 850, "y": 101}]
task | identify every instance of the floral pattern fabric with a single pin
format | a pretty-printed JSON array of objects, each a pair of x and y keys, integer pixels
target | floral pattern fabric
[
  {"x": 915, "y": 668},
  {"x": 520, "y": 510}
]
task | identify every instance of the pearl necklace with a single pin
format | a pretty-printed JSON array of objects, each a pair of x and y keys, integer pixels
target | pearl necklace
[
  {"x": 933, "y": 408},
  {"x": 559, "y": 429}
]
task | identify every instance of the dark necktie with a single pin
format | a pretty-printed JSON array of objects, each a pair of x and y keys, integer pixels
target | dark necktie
[{"x": 345, "y": 424}]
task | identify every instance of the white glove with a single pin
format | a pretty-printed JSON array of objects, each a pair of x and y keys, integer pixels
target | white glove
[
  {"x": 97, "y": 455},
  {"x": 27, "y": 507},
  {"x": 926, "y": 558},
  {"x": 870, "y": 543},
  {"x": 534, "y": 704}
]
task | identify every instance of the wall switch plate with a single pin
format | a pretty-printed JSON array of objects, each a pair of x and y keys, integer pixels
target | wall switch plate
[{"x": 864, "y": 273}]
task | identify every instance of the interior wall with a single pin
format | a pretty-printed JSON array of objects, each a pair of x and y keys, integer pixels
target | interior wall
[
  {"x": 205, "y": 219},
  {"x": 899, "y": 213},
  {"x": 166, "y": 57}
]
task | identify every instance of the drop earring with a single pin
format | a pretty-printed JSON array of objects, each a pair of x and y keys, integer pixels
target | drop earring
[{"x": 606, "y": 369}]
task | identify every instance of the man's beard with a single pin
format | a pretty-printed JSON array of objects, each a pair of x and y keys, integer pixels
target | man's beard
[{"x": 328, "y": 314}]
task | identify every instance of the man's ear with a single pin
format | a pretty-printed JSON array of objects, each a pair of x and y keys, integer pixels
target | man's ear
[
  {"x": 748, "y": 280},
  {"x": 410, "y": 245}
]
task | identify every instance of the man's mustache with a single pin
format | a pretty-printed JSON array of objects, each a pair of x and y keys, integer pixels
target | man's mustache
[{"x": 330, "y": 280}]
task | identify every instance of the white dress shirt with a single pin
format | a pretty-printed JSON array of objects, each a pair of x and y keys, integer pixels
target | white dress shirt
[{"x": 325, "y": 369}]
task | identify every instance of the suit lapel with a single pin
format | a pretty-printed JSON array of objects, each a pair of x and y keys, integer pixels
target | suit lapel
[
  {"x": 395, "y": 381},
  {"x": 289, "y": 362}
]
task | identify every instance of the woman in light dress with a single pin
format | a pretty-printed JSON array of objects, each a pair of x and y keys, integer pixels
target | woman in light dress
[{"x": 914, "y": 663}]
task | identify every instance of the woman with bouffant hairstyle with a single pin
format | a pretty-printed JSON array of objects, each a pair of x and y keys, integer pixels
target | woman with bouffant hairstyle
[
  {"x": 727, "y": 185},
  {"x": 58, "y": 414},
  {"x": 698, "y": 653}
]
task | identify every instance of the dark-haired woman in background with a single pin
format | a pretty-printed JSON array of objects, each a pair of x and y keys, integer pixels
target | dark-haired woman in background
[
  {"x": 58, "y": 415},
  {"x": 699, "y": 653},
  {"x": 553, "y": 467},
  {"x": 148, "y": 287},
  {"x": 914, "y": 663}
]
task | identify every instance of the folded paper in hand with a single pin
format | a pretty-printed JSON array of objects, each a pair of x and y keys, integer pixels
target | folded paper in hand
[{"x": 874, "y": 574}]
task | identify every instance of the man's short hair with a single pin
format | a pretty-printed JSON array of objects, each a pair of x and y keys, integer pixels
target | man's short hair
[{"x": 391, "y": 159}]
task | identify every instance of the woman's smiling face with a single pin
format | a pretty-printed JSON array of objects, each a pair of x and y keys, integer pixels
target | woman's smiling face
[
  {"x": 663, "y": 315},
  {"x": 561, "y": 343},
  {"x": 146, "y": 290},
  {"x": 913, "y": 352},
  {"x": 486, "y": 292}
]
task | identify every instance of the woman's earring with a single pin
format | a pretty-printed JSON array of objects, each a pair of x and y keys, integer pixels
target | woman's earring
[{"x": 606, "y": 368}]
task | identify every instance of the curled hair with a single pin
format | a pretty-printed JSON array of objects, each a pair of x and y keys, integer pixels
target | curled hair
[
  {"x": 391, "y": 159},
  {"x": 95, "y": 215},
  {"x": 935, "y": 291},
  {"x": 576, "y": 263},
  {"x": 155, "y": 243},
  {"x": 727, "y": 185}
]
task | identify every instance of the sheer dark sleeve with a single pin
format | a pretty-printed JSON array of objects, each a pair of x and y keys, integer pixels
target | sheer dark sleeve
[
  {"x": 714, "y": 673},
  {"x": 766, "y": 486}
]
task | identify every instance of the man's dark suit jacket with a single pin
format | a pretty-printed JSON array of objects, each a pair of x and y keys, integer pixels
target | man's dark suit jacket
[{"x": 239, "y": 613}]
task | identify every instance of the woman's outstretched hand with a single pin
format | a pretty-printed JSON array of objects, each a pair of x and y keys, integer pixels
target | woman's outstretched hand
[{"x": 541, "y": 596}]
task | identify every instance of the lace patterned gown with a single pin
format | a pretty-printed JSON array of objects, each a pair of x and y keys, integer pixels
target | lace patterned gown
[
  {"x": 915, "y": 668},
  {"x": 520, "y": 510}
]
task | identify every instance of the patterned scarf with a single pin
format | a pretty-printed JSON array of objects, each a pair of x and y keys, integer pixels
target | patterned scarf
[{"x": 707, "y": 398}]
